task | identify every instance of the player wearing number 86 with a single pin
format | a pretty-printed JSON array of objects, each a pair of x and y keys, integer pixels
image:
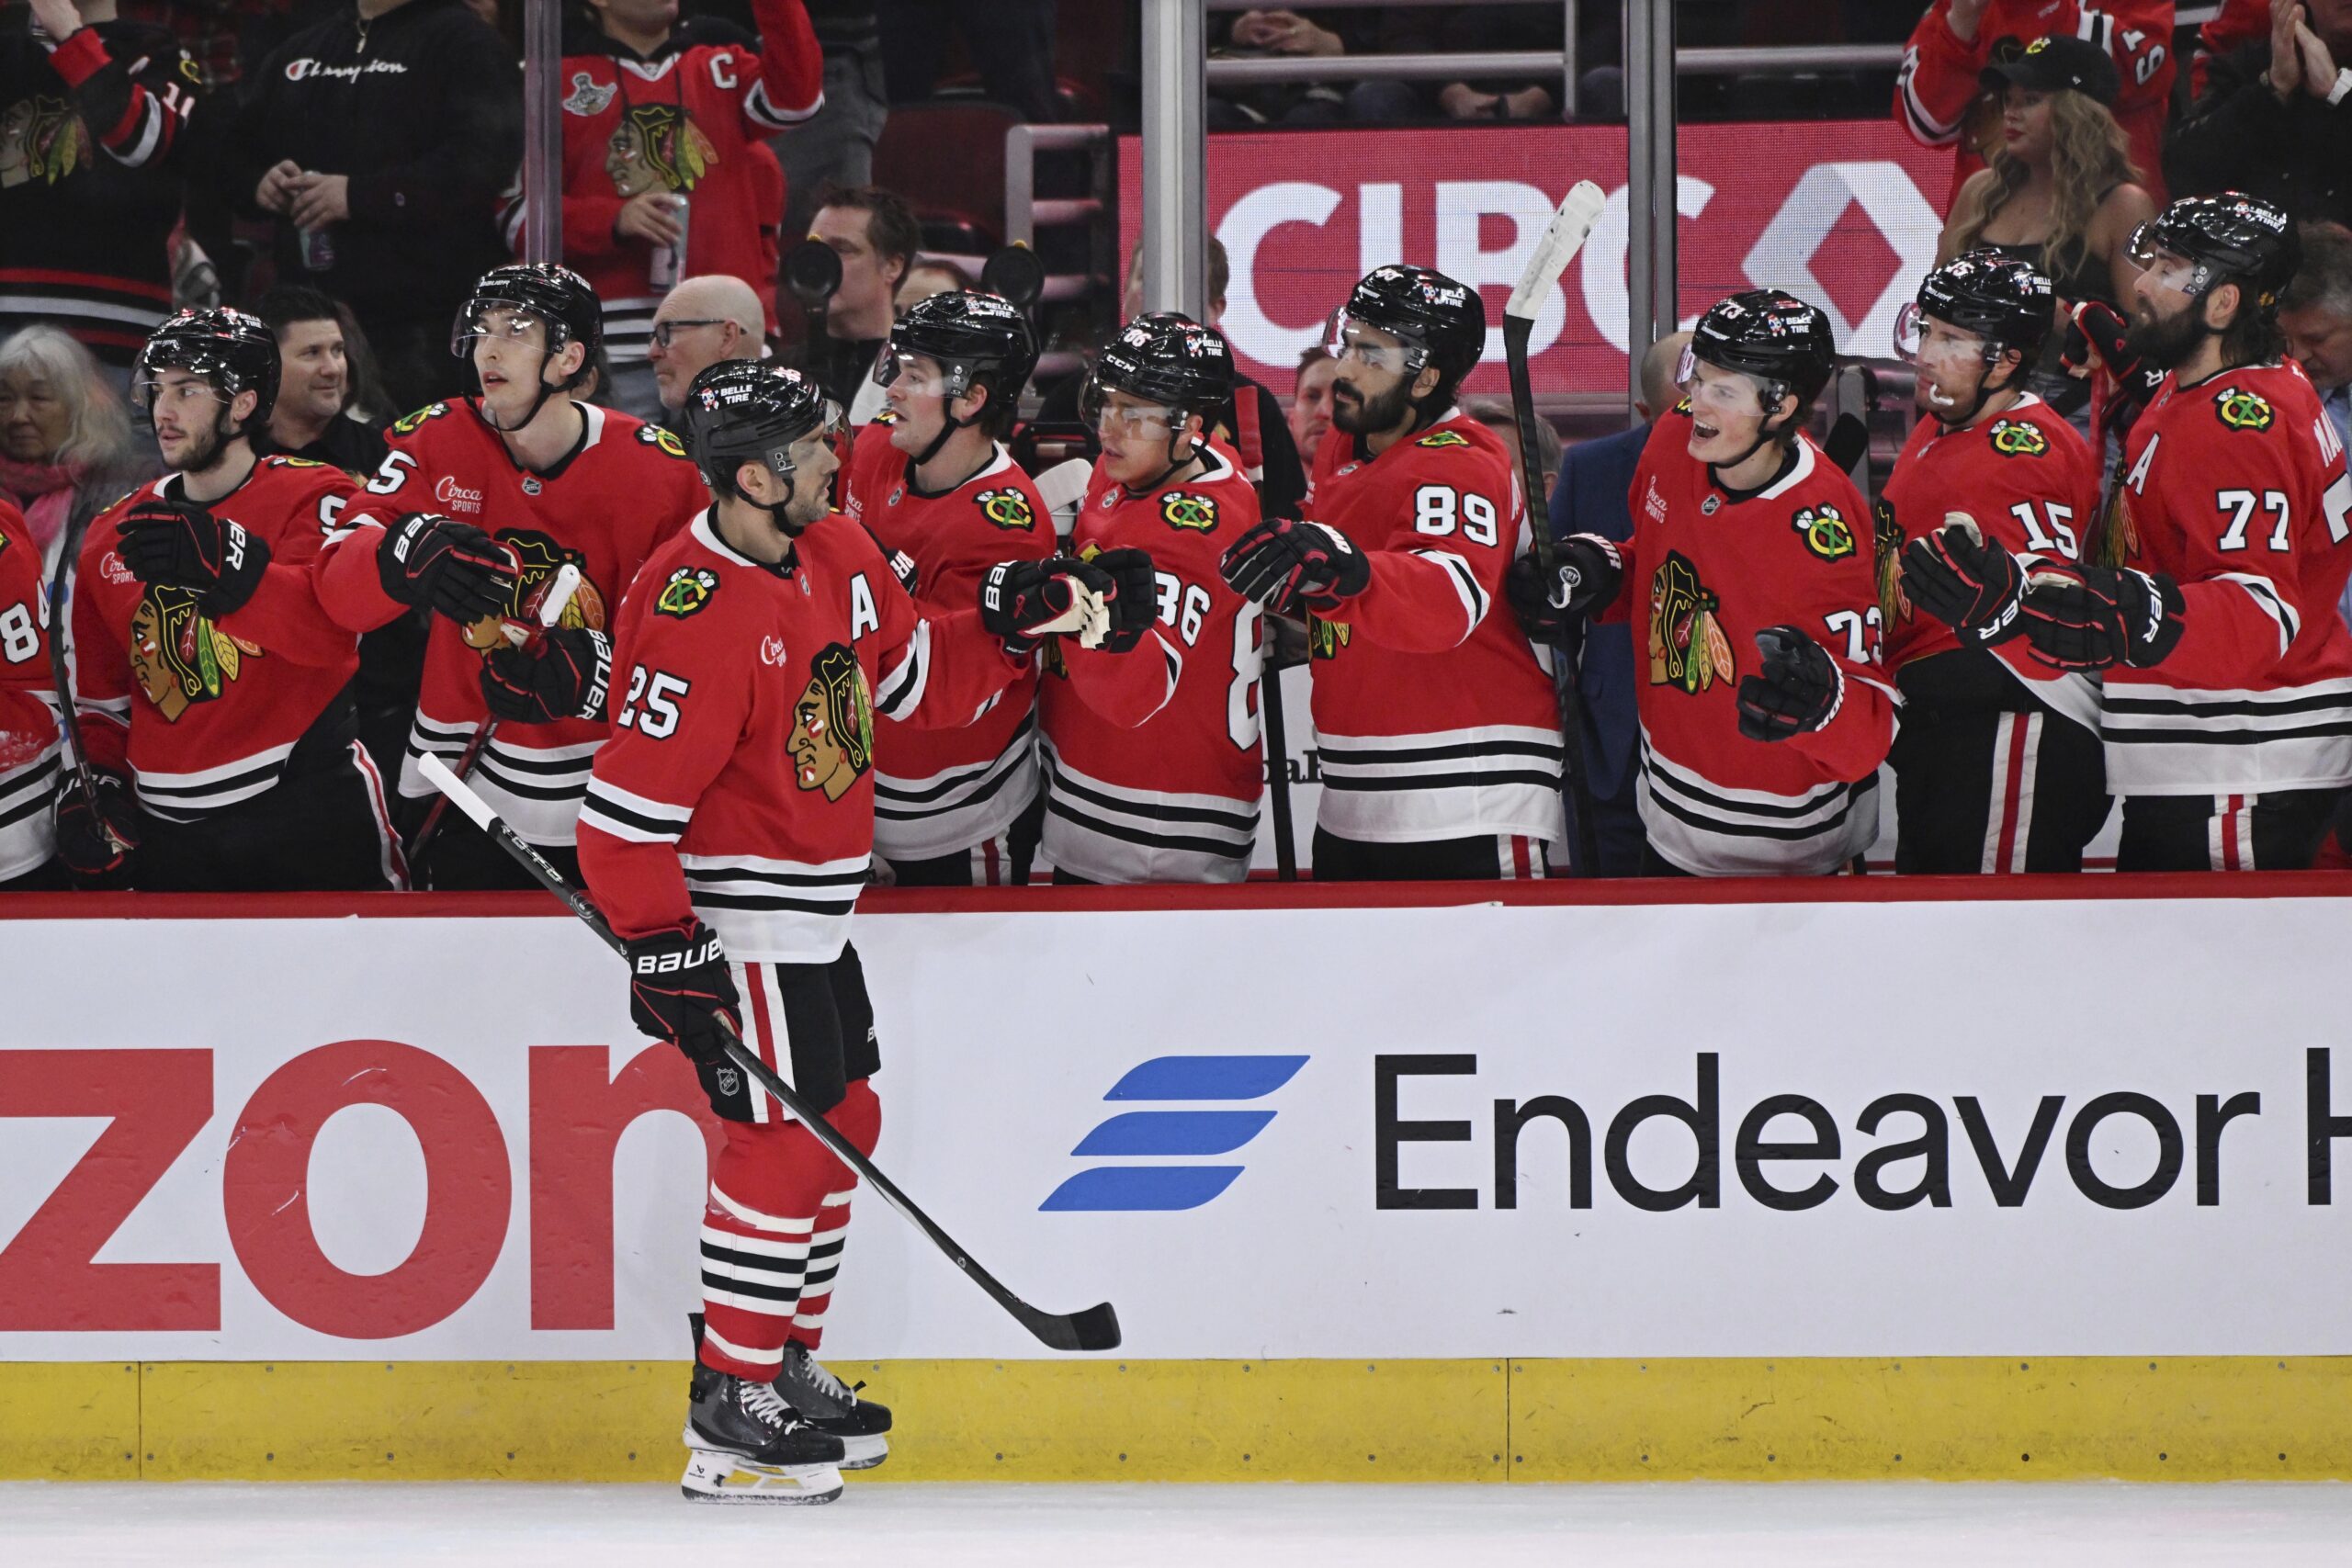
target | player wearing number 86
[{"x": 1437, "y": 726}]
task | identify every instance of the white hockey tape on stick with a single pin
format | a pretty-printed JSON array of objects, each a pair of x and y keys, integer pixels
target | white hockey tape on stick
[
  {"x": 551, "y": 604},
  {"x": 438, "y": 775},
  {"x": 1062, "y": 488},
  {"x": 1558, "y": 246}
]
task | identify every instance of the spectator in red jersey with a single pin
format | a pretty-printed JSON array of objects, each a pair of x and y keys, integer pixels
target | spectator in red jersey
[
  {"x": 666, "y": 170},
  {"x": 1940, "y": 99},
  {"x": 874, "y": 233},
  {"x": 2276, "y": 119},
  {"x": 66, "y": 449},
  {"x": 95, "y": 123},
  {"x": 2236, "y": 23}
]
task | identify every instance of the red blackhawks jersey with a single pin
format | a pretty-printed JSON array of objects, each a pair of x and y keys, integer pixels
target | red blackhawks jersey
[
  {"x": 1433, "y": 718},
  {"x": 1153, "y": 768},
  {"x": 2031, "y": 485},
  {"x": 939, "y": 791},
  {"x": 1705, "y": 570},
  {"x": 694, "y": 120},
  {"x": 205, "y": 714},
  {"x": 28, "y": 731},
  {"x": 1937, "y": 82},
  {"x": 2236, "y": 487},
  {"x": 624, "y": 488},
  {"x": 738, "y": 783}
]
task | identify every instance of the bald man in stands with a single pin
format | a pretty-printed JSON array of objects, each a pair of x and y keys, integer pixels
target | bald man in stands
[{"x": 704, "y": 319}]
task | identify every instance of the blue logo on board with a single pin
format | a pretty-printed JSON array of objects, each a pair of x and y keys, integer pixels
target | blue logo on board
[{"x": 1189, "y": 1133}]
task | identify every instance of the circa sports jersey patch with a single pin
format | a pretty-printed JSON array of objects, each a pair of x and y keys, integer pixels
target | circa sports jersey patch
[
  {"x": 690, "y": 588},
  {"x": 1688, "y": 647},
  {"x": 1443, "y": 438},
  {"x": 659, "y": 435},
  {"x": 1197, "y": 512},
  {"x": 2242, "y": 410},
  {"x": 832, "y": 744},
  {"x": 2018, "y": 438},
  {"x": 1826, "y": 531},
  {"x": 407, "y": 424},
  {"x": 1887, "y": 534},
  {"x": 1007, "y": 509}
]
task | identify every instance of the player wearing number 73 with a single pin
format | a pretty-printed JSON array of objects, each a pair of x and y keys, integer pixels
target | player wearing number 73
[{"x": 1766, "y": 711}]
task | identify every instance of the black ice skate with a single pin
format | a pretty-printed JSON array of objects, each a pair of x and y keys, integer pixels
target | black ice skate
[
  {"x": 750, "y": 1447},
  {"x": 831, "y": 1406}
]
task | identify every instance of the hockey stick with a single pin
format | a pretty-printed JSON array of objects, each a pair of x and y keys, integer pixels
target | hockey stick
[
  {"x": 558, "y": 595},
  {"x": 1559, "y": 244},
  {"x": 1269, "y": 702},
  {"x": 69, "y": 721},
  {"x": 1096, "y": 1328}
]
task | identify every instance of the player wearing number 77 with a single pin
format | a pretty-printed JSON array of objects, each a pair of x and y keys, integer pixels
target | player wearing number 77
[
  {"x": 2227, "y": 714},
  {"x": 1438, "y": 729},
  {"x": 1996, "y": 764},
  {"x": 1766, "y": 712}
]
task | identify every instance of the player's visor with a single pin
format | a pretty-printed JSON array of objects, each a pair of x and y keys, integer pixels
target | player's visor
[
  {"x": 1932, "y": 344},
  {"x": 1103, "y": 409},
  {"x": 2167, "y": 269},
  {"x": 505, "y": 321},
  {"x": 1716, "y": 389},
  {"x": 1352, "y": 343},
  {"x": 180, "y": 385},
  {"x": 924, "y": 376},
  {"x": 834, "y": 425}
]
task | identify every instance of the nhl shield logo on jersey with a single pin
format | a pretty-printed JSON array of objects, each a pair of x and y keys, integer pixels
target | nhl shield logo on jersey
[
  {"x": 1688, "y": 649},
  {"x": 1007, "y": 509},
  {"x": 409, "y": 424},
  {"x": 1179, "y": 510},
  {"x": 831, "y": 742},
  {"x": 690, "y": 588},
  {"x": 2242, "y": 410},
  {"x": 178, "y": 657},
  {"x": 1443, "y": 438},
  {"x": 1886, "y": 534},
  {"x": 2018, "y": 438},
  {"x": 1824, "y": 531}
]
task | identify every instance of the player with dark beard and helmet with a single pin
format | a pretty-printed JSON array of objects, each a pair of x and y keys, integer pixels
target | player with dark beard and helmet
[
  {"x": 1996, "y": 763},
  {"x": 2227, "y": 712},
  {"x": 955, "y": 807},
  {"x": 1747, "y": 576},
  {"x": 220, "y": 725},
  {"x": 1439, "y": 733},
  {"x": 727, "y": 831}
]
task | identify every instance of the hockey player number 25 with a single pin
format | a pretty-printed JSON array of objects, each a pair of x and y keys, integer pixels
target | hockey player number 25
[
  {"x": 659, "y": 717},
  {"x": 1438, "y": 508}
]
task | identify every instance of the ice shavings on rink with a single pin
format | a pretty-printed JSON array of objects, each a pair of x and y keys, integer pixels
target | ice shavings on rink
[{"x": 1816, "y": 1525}]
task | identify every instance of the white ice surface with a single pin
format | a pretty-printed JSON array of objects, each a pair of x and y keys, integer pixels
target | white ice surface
[{"x": 1910, "y": 1525}]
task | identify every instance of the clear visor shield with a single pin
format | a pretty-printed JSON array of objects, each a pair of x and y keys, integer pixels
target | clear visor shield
[
  {"x": 503, "y": 322},
  {"x": 1935, "y": 347},
  {"x": 1351, "y": 341},
  {"x": 1715, "y": 390},
  {"x": 1119, "y": 416},
  {"x": 2167, "y": 269},
  {"x": 178, "y": 387},
  {"x": 923, "y": 376},
  {"x": 790, "y": 456}
]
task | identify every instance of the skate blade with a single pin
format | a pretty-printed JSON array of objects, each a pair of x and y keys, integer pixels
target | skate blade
[
  {"x": 726, "y": 1478},
  {"x": 864, "y": 1453}
]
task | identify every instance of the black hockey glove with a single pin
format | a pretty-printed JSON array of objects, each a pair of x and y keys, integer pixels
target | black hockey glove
[
  {"x": 2099, "y": 335},
  {"x": 1135, "y": 596},
  {"x": 1587, "y": 571},
  {"x": 679, "y": 989},
  {"x": 1798, "y": 691},
  {"x": 1024, "y": 602},
  {"x": 1971, "y": 586},
  {"x": 562, "y": 672},
  {"x": 431, "y": 562},
  {"x": 2090, "y": 618},
  {"x": 1290, "y": 566},
  {"x": 175, "y": 545},
  {"x": 95, "y": 847}
]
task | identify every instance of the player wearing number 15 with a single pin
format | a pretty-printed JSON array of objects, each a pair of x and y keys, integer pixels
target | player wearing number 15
[
  {"x": 2227, "y": 714},
  {"x": 1438, "y": 729}
]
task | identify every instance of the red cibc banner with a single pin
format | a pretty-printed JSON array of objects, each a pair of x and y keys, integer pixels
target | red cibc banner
[{"x": 1838, "y": 211}]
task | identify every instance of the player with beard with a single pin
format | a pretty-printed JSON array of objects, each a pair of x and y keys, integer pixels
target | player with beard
[
  {"x": 2227, "y": 713},
  {"x": 1996, "y": 764},
  {"x": 219, "y": 727},
  {"x": 1439, "y": 732},
  {"x": 1767, "y": 712}
]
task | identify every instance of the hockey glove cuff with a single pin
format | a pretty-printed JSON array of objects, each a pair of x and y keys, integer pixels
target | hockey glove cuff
[
  {"x": 175, "y": 544},
  {"x": 431, "y": 562},
  {"x": 562, "y": 672},
  {"x": 679, "y": 990},
  {"x": 1971, "y": 585},
  {"x": 1798, "y": 691},
  {"x": 2091, "y": 617},
  {"x": 1133, "y": 603},
  {"x": 1024, "y": 602},
  {"x": 1291, "y": 567}
]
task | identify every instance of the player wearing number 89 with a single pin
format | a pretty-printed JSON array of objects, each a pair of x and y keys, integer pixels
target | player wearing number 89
[
  {"x": 1996, "y": 763},
  {"x": 1153, "y": 767},
  {"x": 2227, "y": 714},
  {"x": 1438, "y": 731}
]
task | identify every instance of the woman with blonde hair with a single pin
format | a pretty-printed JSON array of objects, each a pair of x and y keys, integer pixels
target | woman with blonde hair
[
  {"x": 2059, "y": 193},
  {"x": 66, "y": 448}
]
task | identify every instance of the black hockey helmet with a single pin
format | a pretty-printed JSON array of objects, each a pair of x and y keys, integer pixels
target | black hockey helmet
[
  {"x": 1444, "y": 320},
  {"x": 2231, "y": 238},
  {"x": 1773, "y": 335},
  {"x": 559, "y": 297},
  {"x": 2006, "y": 301},
  {"x": 1164, "y": 358},
  {"x": 749, "y": 410},
  {"x": 233, "y": 351},
  {"x": 977, "y": 339}
]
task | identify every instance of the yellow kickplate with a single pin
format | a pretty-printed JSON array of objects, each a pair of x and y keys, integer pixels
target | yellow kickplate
[
  {"x": 1959, "y": 1418},
  {"x": 68, "y": 1421}
]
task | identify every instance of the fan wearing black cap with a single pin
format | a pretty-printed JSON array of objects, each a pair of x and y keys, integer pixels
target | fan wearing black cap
[
  {"x": 1996, "y": 763},
  {"x": 1438, "y": 729},
  {"x": 1748, "y": 578},
  {"x": 2060, "y": 192},
  {"x": 2228, "y": 676}
]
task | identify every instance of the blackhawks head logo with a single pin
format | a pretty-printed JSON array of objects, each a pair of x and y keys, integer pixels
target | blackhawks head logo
[
  {"x": 41, "y": 138},
  {"x": 832, "y": 727},
  {"x": 1197, "y": 512},
  {"x": 2018, "y": 438},
  {"x": 2242, "y": 410},
  {"x": 1824, "y": 531},
  {"x": 1008, "y": 508},
  {"x": 178, "y": 656},
  {"x": 688, "y": 590},
  {"x": 540, "y": 558},
  {"x": 1688, "y": 649},
  {"x": 1887, "y": 534},
  {"x": 657, "y": 146}
]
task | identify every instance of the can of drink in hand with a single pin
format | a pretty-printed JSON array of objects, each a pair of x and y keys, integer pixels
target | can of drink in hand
[
  {"x": 318, "y": 248},
  {"x": 670, "y": 260}
]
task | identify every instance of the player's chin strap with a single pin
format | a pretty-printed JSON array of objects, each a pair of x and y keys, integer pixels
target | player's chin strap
[
  {"x": 546, "y": 391},
  {"x": 1175, "y": 466},
  {"x": 1985, "y": 390},
  {"x": 1766, "y": 434}
]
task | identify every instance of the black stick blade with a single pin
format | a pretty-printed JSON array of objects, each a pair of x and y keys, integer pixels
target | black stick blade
[{"x": 1096, "y": 1328}]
